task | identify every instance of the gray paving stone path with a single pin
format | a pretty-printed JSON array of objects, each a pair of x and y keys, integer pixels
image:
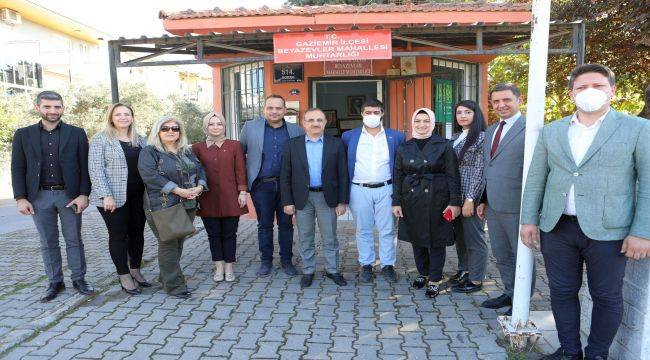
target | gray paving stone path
[{"x": 251, "y": 318}]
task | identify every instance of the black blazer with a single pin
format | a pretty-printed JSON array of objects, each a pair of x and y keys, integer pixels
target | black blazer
[
  {"x": 26, "y": 160},
  {"x": 294, "y": 177}
]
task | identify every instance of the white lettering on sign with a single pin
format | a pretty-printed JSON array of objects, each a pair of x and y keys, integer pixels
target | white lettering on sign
[{"x": 349, "y": 45}]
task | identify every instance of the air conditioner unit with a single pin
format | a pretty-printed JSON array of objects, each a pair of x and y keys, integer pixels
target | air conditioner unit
[{"x": 10, "y": 16}]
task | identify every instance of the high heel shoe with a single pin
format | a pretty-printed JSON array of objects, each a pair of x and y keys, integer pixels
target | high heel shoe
[
  {"x": 135, "y": 291},
  {"x": 144, "y": 284}
]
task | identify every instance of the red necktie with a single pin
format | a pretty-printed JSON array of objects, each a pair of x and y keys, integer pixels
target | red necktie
[{"x": 497, "y": 138}]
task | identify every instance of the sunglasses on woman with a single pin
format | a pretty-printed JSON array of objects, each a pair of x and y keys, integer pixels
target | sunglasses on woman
[{"x": 168, "y": 128}]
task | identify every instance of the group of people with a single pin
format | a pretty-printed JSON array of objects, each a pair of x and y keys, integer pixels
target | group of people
[{"x": 587, "y": 195}]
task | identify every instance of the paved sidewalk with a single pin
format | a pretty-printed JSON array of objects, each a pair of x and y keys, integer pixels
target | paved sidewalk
[{"x": 251, "y": 318}]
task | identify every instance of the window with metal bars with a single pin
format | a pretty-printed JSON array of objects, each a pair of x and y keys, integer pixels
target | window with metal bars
[
  {"x": 453, "y": 81},
  {"x": 243, "y": 94}
]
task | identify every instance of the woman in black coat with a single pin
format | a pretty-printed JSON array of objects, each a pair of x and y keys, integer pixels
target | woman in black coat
[{"x": 426, "y": 184}]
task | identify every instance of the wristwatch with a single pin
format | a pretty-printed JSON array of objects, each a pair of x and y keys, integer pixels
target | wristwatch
[{"x": 470, "y": 200}]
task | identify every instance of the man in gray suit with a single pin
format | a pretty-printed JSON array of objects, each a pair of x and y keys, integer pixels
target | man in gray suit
[
  {"x": 503, "y": 167},
  {"x": 590, "y": 178},
  {"x": 263, "y": 141}
]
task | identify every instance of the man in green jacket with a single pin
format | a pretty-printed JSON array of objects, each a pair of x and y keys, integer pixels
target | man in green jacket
[{"x": 588, "y": 192}]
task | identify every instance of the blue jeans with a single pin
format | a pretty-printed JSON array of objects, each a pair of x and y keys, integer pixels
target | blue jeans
[
  {"x": 372, "y": 207},
  {"x": 566, "y": 249},
  {"x": 266, "y": 199}
]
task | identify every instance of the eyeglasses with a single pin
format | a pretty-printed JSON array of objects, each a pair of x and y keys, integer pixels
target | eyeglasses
[{"x": 168, "y": 128}]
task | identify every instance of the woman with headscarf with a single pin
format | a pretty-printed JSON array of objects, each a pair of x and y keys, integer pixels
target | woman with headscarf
[
  {"x": 426, "y": 185},
  {"x": 221, "y": 207}
]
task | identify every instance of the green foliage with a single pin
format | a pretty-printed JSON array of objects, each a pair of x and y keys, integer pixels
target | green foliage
[
  {"x": 86, "y": 107},
  {"x": 15, "y": 112},
  {"x": 616, "y": 36},
  {"x": 192, "y": 115}
]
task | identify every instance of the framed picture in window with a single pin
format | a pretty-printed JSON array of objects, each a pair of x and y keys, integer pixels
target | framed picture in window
[{"x": 354, "y": 105}]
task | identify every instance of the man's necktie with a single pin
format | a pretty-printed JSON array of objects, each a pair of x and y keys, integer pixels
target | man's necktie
[{"x": 497, "y": 139}]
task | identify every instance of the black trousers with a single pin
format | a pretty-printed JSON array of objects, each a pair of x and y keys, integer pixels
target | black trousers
[
  {"x": 430, "y": 261},
  {"x": 126, "y": 232},
  {"x": 566, "y": 249},
  {"x": 222, "y": 235}
]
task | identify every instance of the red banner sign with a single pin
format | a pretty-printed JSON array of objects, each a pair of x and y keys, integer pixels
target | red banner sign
[
  {"x": 332, "y": 46},
  {"x": 347, "y": 68}
]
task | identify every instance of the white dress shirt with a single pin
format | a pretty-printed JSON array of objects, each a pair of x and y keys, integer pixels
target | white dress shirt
[
  {"x": 462, "y": 136},
  {"x": 372, "y": 164},
  {"x": 580, "y": 139},
  {"x": 509, "y": 122}
]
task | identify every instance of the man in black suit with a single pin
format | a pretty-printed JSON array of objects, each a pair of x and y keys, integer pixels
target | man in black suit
[
  {"x": 49, "y": 174},
  {"x": 314, "y": 186}
]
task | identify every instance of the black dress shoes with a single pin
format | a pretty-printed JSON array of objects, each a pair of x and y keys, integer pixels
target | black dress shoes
[
  {"x": 83, "y": 287},
  {"x": 183, "y": 295},
  {"x": 389, "y": 273},
  {"x": 289, "y": 269},
  {"x": 52, "y": 291},
  {"x": 459, "y": 277},
  {"x": 466, "y": 287},
  {"x": 337, "y": 278},
  {"x": 265, "y": 269},
  {"x": 497, "y": 303},
  {"x": 561, "y": 355},
  {"x": 366, "y": 274},
  {"x": 306, "y": 280}
]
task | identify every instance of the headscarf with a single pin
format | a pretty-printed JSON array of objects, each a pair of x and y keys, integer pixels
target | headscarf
[
  {"x": 210, "y": 140},
  {"x": 432, "y": 117}
]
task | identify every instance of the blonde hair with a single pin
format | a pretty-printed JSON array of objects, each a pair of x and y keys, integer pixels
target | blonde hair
[
  {"x": 206, "y": 120},
  {"x": 110, "y": 130},
  {"x": 154, "y": 137}
]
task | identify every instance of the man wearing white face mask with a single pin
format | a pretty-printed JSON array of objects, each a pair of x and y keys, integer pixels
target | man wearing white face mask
[
  {"x": 371, "y": 155},
  {"x": 587, "y": 170}
]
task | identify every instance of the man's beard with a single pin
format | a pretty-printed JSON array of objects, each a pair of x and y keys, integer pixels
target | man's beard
[{"x": 46, "y": 118}]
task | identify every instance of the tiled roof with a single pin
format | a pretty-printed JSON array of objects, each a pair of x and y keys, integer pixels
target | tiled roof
[{"x": 339, "y": 9}]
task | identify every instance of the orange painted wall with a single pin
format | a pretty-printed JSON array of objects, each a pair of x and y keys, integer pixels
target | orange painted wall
[{"x": 394, "y": 92}]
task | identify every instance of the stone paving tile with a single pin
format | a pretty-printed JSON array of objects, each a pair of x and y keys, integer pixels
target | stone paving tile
[{"x": 254, "y": 317}]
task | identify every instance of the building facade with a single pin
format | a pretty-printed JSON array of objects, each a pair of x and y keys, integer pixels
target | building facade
[{"x": 44, "y": 49}]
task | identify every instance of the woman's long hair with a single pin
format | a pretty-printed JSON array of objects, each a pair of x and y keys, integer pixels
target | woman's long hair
[
  {"x": 478, "y": 125},
  {"x": 111, "y": 131}
]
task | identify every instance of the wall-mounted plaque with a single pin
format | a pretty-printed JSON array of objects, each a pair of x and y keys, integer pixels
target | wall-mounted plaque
[{"x": 287, "y": 73}]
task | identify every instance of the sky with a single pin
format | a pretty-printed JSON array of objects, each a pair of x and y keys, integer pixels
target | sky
[{"x": 133, "y": 18}]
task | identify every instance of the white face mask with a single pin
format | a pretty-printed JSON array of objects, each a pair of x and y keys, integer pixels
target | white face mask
[
  {"x": 372, "y": 121},
  {"x": 591, "y": 100}
]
